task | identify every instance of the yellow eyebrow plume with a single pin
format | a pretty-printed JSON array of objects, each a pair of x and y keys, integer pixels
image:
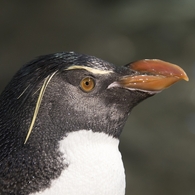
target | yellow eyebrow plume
[
  {"x": 92, "y": 70},
  {"x": 39, "y": 100}
]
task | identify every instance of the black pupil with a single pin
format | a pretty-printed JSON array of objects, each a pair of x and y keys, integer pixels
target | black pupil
[{"x": 87, "y": 82}]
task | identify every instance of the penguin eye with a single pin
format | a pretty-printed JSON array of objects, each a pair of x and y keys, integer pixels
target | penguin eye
[{"x": 87, "y": 84}]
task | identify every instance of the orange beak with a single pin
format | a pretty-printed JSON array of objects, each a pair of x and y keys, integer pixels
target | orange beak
[{"x": 152, "y": 75}]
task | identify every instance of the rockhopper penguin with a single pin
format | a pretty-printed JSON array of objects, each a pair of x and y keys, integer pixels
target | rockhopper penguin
[{"x": 61, "y": 117}]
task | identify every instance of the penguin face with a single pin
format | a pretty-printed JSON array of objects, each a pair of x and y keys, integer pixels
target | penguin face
[{"x": 83, "y": 100}]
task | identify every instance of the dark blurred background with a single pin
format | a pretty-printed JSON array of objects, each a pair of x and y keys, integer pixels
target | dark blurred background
[{"x": 158, "y": 142}]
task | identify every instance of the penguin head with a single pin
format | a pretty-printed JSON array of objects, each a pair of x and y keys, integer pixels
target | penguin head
[{"x": 64, "y": 92}]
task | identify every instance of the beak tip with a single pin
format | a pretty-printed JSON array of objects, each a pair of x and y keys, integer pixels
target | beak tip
[{"x": 185, "y": 77}]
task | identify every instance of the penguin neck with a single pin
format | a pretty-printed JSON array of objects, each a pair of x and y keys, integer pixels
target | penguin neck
[{"x": 94, "y": 165}]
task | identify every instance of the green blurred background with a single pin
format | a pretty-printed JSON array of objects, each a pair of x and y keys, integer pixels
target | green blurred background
[{"x": 158, "y": 142}]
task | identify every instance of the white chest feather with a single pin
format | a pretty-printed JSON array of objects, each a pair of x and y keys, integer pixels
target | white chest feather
[{"x": 95, "y": 166}]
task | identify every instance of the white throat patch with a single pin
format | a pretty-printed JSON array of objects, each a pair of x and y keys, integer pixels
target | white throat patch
[{"x": 95, "y": 166}]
